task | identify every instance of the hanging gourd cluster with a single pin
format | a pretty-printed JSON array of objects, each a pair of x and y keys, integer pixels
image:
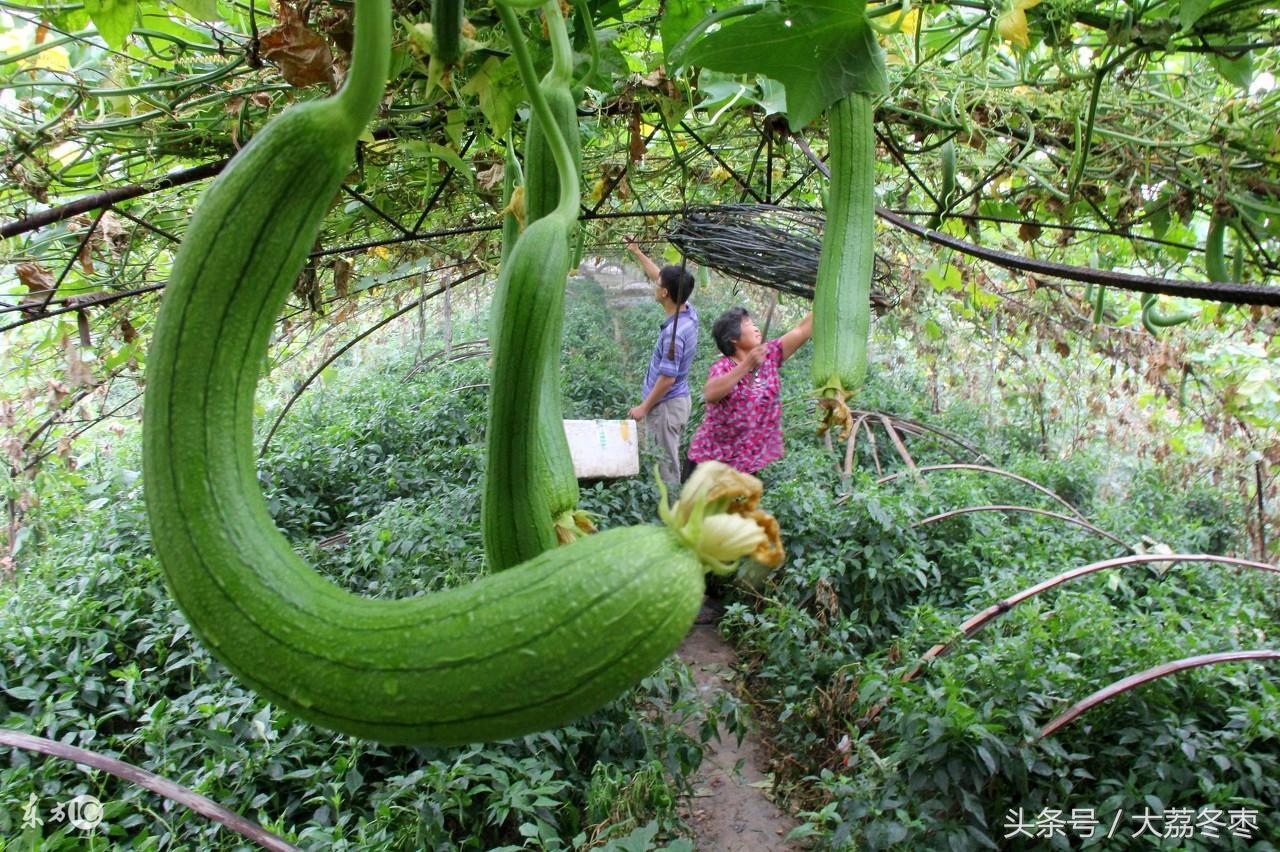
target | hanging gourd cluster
[{"x": 567, "y": 620}]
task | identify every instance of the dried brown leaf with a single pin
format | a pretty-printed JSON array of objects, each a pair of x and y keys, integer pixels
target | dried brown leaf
[
  {"x": 636, "y": 148},
  {"x": 341, "y": 277},
  {"x": 492, "y": 176},
  {"x": 301, "y": 54},
  {"x": 38, "y": 281},
  {"x": 79, "y": 374}
]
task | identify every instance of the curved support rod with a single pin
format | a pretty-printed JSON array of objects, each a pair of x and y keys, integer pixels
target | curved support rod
[
  {"x": 163, "y": 786},
  {"x": 1029, "y": 510},
  {"x": 986, "y": 469},
  {"x": 1132, "y": 681},
  {"x": 352, "y": 342},
  {"x": 977, "y": 622}
]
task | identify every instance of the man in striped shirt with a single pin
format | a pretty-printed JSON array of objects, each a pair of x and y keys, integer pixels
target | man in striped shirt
[{"x": 664, "y": 409}]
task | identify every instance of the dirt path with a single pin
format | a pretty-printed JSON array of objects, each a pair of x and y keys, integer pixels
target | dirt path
[{"x": 730, "y": 810}]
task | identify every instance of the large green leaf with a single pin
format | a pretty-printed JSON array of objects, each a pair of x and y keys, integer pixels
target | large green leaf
[
  {"x": 497, "y": 85},
  {"x": 1236, "y": 69},
  {"x": 821, "y": 50},
  {"x": 113, "y": 18},
  {"x": 204, "y": 10},
  {"x": 678, "y": 18}
]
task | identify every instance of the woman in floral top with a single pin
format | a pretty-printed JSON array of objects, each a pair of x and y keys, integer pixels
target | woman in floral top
[{"x": 743, "y": 423}]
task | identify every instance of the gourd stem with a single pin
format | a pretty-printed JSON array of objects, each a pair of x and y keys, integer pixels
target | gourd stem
[
  {"x": 514, "y": 158},
  {"x": 567, "y": 209},
  {"x": 594, "y": 46},
  {"x": 561, "y": 49},
  {"x": 370, "y": 63}
]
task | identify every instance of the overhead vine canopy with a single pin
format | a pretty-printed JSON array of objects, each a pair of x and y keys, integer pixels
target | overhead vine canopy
[{"x": 1096, "y": 135}]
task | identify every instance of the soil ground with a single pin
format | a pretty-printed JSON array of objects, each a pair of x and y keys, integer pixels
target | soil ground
[{"x": 730, "y": 810}]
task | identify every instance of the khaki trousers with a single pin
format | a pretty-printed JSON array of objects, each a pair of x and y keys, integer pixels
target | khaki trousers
[{"x": 663, "y": 427}]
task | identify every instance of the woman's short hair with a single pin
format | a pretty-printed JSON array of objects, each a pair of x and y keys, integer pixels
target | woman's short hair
[
  {"x": 728, "y": 328},
  {"x": 677, "y": 281}
]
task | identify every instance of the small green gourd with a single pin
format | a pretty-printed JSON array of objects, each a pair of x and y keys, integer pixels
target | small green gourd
[
  {"x": 948, "y": 184},
  {"x": 1215, "y": 265},
  {"x": 1153, "y": 319}
]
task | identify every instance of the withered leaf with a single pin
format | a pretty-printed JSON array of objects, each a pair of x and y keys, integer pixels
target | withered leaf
[
  {"x": 492, "y": 176},
  {"x": 341, "y": 277},
  {"x": 302, "y": 55},
  {"x": 38, "y": 281}
]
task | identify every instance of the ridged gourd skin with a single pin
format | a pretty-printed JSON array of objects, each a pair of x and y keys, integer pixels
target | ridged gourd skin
[
  {"x": 446, "y": 30},
  {"x": 842, "y": 297},
  {"x": 1215, "y": 256},
  {"x": 517, "y": 516},
  {"x": 542, "y": 193},
  {"x": 509, "y": 654}
]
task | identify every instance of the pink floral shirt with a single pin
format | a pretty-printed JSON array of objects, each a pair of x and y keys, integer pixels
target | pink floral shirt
[{"x": 744, "y": 429}]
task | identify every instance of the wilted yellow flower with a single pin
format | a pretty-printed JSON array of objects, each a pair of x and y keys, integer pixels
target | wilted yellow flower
[
  {"x": 1012, "y": 23},
  {"x": 718, "y": 518}
]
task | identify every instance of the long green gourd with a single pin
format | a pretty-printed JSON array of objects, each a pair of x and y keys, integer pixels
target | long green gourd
[
  {"x": 530, "y": 492},
  {"x": 842, "y": 295},
  {"x": 446, "y": 31},
  {"x": 541, "y": 196},
  {"x": 1215, "y": 260},
  {"x": 511, "y": 199},
  {"x": 1215, "y": 256},
  {"x": 1153, "y": 319},
  {"x": 947, "y": 186},
  {"x": 515, "y": 652}
]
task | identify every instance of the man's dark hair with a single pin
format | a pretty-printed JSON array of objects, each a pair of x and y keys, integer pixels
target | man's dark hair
[
  {"x": 728, "y": 329},
  {"x": 678, "y": 283}
]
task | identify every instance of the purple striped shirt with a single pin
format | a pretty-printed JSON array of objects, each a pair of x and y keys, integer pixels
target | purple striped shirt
[{"x": 686, "y": 332}]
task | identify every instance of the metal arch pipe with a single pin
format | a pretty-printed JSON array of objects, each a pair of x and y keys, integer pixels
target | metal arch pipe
[
  {"x": 134, "y": 775},
  {"x": 977, "y": 622},
  {"x": 987, "y": 469},
  {"x": 1153, "y": 673},
  {"x": 1029, "y": 510}
]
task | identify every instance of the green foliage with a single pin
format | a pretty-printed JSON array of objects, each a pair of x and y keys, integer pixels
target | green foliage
[
  {"x": 819, "y": 49},
  {"x": 941, "y": 760},
  {"x": 93, "y": 651}
]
